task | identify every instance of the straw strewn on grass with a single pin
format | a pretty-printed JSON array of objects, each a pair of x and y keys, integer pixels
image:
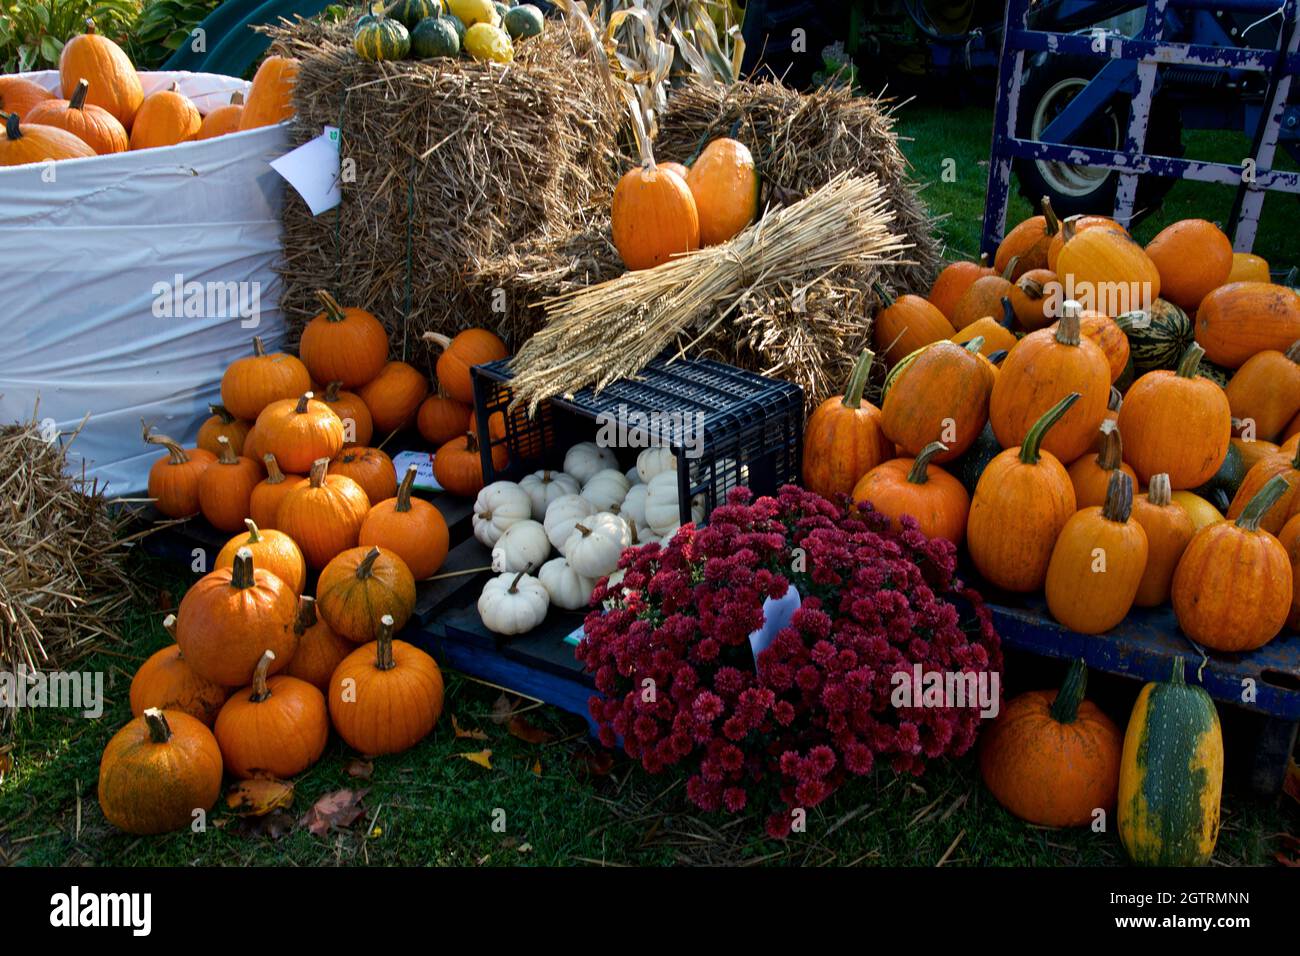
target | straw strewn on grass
[{"x": 598, "y": 334}]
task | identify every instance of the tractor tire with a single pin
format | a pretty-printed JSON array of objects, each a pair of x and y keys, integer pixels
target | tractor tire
[
  {"x": 1051, "y": 82},
  {"x": 769, "y": 32}
]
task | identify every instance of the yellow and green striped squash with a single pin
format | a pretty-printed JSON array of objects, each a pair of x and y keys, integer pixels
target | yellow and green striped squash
[{"x": 381, "y": 38}]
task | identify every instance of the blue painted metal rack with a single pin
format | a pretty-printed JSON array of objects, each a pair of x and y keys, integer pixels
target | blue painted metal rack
[{"x": 1132, "y": 71}]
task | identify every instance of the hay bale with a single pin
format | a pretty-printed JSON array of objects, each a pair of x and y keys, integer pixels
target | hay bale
[{"x": 456, "y": 163}]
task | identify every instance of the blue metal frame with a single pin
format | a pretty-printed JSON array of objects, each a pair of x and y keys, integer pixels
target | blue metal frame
[{"x": 1133, "y": 71}]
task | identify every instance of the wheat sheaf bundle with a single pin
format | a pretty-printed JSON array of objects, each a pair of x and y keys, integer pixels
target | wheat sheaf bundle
[{"x": 602, "y": 333}]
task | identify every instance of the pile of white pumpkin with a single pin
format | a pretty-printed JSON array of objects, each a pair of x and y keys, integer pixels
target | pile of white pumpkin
[{"x": 588, "y": 513}]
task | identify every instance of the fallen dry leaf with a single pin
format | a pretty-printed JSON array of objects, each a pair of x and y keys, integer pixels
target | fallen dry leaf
[
  {"x": 597, "y": 763},
  {"x": 259, "y": 796},
  {"x": 463, "y": 734},
  {"x": 481, "y": 757},
  {"x": 537, "y": 768},
  {"x": 339, "y": 809},
  {"x": 503, "y": 709},
  {"x": 521, "y": 728},
  {"x": 524, "y": 848},
  {"x": 360, "y": 769},
  {"x": 164, "y": 601},
  {"x": 273, "y": 826}
]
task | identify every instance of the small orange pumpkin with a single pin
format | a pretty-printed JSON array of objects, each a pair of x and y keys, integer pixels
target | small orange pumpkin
[
  {"x": 1028, "y": 243},
  {"x": 349, "y": 345},
  {"x": 18, "y": 95},
  {"x": 983, "y": 298},
  {"x": 1241, "y": 319},
  {"x": 277, "y": 727},
  {"x": 458, "y": 465},
  {"x": 469, "y": 348},
  {"x": 1169, "y": 530},
  {"x": 914, "y": 486},
  {"x": 652, "y": 216},
  {"x": 1266, "y": 390},
  {"x": 370, "y": 468},
  {"x": 441, "y": 419},
  {"x": 25, "y": 143},
  {"x": 1071, "y": 226},
  {"x": 221, "y": 423},
  {"x": 93, "y": 125},
  {"x": 323, "y": 514},
  {"x": 1281, "y": 464},
  {"x": 1193, "y": 257},
  {"x": 167, "y": 682},
  {"x": 412, "y": 529},
  {"x": 940, "y": 394},
  {"x": 272, "y": 551},
  {"x": 844, "y": 439},
  {"x": 394, "y": 396},
  {"x": 906, "y": 324},
  {"x": 299, "y": 430},
  {"x": 1101, "y": 261},
  {"x": 264, "y": 502},
  {"x": 358, "y": 425},
  {"x": 1032, "y": 298},
  {"x": 166, "y": 118},
  {"x": 359, "y": 586},
  {"x": 224, "y": 119},
  {"x": 953, "y": 281},
  {"x": 255, "y": 381},
  {"x": 174, "y": 478},
  {"x": 226, "y": 488},
  {"x": 114, "y": 83},
  {"x": 270, "y": 98},
  {"x": 1248, "y": 268},
  {"x": 320, "y": 650},
  {"x": 724, "y": 183},
  {"x": 1090, "y": 474}
]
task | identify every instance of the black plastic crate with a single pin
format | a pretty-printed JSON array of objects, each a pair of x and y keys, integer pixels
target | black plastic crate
[{"x": 751, "y": 426}]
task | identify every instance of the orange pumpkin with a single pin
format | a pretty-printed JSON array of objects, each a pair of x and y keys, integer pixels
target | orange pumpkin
[
  {"x": 359, "y": 586},
  {"x": 1247, "y": 268},
  {"x": 953, "y": 281},
  {"x": 270, "y": 98},
  {"x": 1193, "y": 257},
  {"x": 844, "y": 438},
  {"x": 412, "y": 529},
  {"x": 277, "y": 727},
  {"x": 25, "y": 143},
  {"x": 166, "y": 118},
  {"x": 441, "y": 419},
  {"x": 1252, "y": 450},
  {"x": 906, "y": 324},
  {"x": 299, "y": 430},
  {"x": 226, "y": 488},
  {"x": 1241, "y": 319},
  {"x": 677, "y": 168},
  {"x": 272, "y": 551},
  {"x": 1285, "y": 465},
  {"x": 1028, "y": 243},
  {"x": 1032, "y": 298},
  {"x": 983, "y": 298},
  {"x": 1071, "y": 226},
  {"x": 1266, "y": 390},
  {"x": 174, "y": 478},
  {"x": 941, "y": 394},
  {"x": 224, "y": 119},
  {"x": 394, "y": 396},
  {"x": 1111, "y": 268},
  {"x": 458, "y": 466},
  {"x": 723, "y": 180},
  {"x": 323, "y": 514},
  {"x": 19, "y": 95},
  {"x": 255, "y": 381},
  {"x": 349, "y": 345},
  {"x": 370, "y": 468},
  {"x": 93, "y": 125},
  {"x": 358, "y": 425},
  {"x": 1233, "y": 588},
  {"x": 1090, "y": 475},
  {"x": 166, "y": 681},
  {"x": 114, "y": 83},
  {"x": 1169, "y": 530},
  {"x": 1110, "y": 338},
  {"x": 1289, "y": 538},
  {"x": 469, "y": 348},
  {"x": 264, "y": 502},
  {"x": 320, "y": 650},
  {"x": 913, "y": 486},
  {"x": 652, "y": 217},
  {"x": 222, "y": 423}
]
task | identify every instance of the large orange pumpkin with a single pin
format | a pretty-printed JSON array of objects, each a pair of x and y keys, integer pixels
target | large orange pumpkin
[
  {"x": 412, "y": 529},
  {"x": 349, "y": 345},
  {"x": 93, "y": 125},
  {"x": 277, "y": 727},
  {"x": 915, "y": 487},
  {"x": 361, "y": 585},
  {"x": 25, "y": 143},
  {"x": 226, "y": 488},
  {"x": 165, "y": 118},
  {"x": 652, "y": 216},
  {"x": 370, "y": 468},
  {"x": 272, "y": 551},
  {"x": 323, "y": 514},
  {"x": 1193, "y": 257},
  {"x": 469, "y": 348},
  {"x": 19, "y": 95},
  {"x": 394, "y": 396},
  {"x": 1266, "y": 390},
  {"x": 1111, "y": 269},
  {"x": 723, "y": 180},
  {"x": 270, "y": 98},
  {"x": 844, "y": 439},
  {"x": 906, "y": 324},
  {"x": 255, "y": 381},
  {"x": 1240, "y": 319},
  {"x": 299, "y": 430},
  {"x": 1071, "y": 226},
  {"x": 114, "y": 83},
  {"x": 1169, "y": 530},
  {"x": 174, "y": 478},
  {"x": 224, "y": 119},
  {"x": 940, "y": 394},
  {"x": 1247, "y": 268}
]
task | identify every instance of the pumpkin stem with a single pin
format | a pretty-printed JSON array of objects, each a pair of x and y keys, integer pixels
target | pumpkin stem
[
  {"x": 260, "y": 691},
  {"x": 1053, "y": 224},
  {"x": 254, "y": 533},
  {"x": 1116, "y": 400},
  {"x": 1111, "y": 455},
  {"x": 1066, "y": 706},
  {"x": 437, "y": 338},
  {"x": 78, "y": 100},
  {"x": 1264, "y": 499},
  {"x": 332, "y": 391},
  {"x": 1119, "y": 497},
  {"x": 1189, "y": 365},
  {"x": 306, "y": 615},
  {"x": 227, "y": 455},
  {"x": 366, "y": 568},
  {"x": 918, "y": 475},
  {"x": 1032, "y": 288},
  {"x": 301, "y": 407},
  {"x": 404, "y": 490},
  {"x": 159, "y": 730},
  {"x": 12, "y": 129},
  {"x": 514, "y": 585},
  {"x": 333, "y": 311},
  {"x": 169, "y": 625},
  {"x": 258, "y": 348},
  {"x": 1067, "y": 329},
  {"x": 90, "y": 25},
  {"x": 1293, "y": 353},
  {"x": 1030, "y": 448},
  {"x": 858, "y": 380},
  {"x": 1011, "y": 268},
  {"x": 471, "y": 441},
  {"x": 1160, "y": 492},
  {"x": 1008, "y": 314},
  {"x": 177, "y": 454},
  {"x": 241, "y": 572},
  {"x": 886, "y": 296},
  {"x": 1176, "y": 678},
  {"x": 274, "y": 475},
  {"x": 583, "y": 528},
  {"x": 974, "y": 345},
  {"x": 237, "y": 98},
  {"x": 384, "y": 644},
  {"x": 319, "y": 468},
  {"x": 997, "y": 357},
  {"x": 223, "y": 413}
]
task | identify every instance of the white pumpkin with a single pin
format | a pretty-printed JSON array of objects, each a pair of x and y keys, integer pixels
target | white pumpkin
[
  {"x": 594, "y": 547},
  {"x": 655, "y": 460},
  {"x": 562, "y": 514},
  {"x": 633, "y": 477},
  {"x": 586, "y": 458},
  {"x": 543, "y": 487},
  {"x": 633, "y": 507},
  {"x": 513, "y": 603},
  {"x": 606, "y": 489},
  {"x": 497, "y": 507},
  {"x": 568, "y": 589},
  {"x": 641, "y": 534},
  {"x": 522, "y": 547},
  {"x": 662, "y": 512}
]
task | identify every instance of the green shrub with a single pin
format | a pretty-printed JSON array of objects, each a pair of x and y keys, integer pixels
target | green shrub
[
  {"x": 32, "y": 32},
  {"x": 163, "y": 26}
]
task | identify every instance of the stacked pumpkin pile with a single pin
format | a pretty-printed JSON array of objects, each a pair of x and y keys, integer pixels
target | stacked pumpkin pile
[
  {"x": 425, "y": 29},
  {"x": 105, "y": 110}
]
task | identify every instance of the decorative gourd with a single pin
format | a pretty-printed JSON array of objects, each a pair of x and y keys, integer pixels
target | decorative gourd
[
  {"x": 349, "y": 345},
  {"x": 951, "y": 284},
  {"x": 1098, "y": 562},
  {"x": 231, "y": 616},
  {"x": 1193, "y": 257},
  {"x": 221, "y": 423},
  {"x": 940, "y": 394},
  {"x": 358, "y": 426},
  {"x": 513, "y": 603},
  {"x": 320, "y": 649},
  {"x": 1022, "y": 501},
  {"x": 300, "y": 430},
  {"x": 411, "y": 12},
  {"x": 487, "y": 42},
  {"x": 652, "y": 461},
  {"x": 1238, "y": 320},
  {"x": 277, "y": 727},
  {"x": 1071, "y": 226},
  {"x": 969, "y": 467},
  {"x": 323, "y": 514},
  {"x": 1169, "y": 529},
  {"x": 724, "y": 183},
  {"x": 566, "y": 588},
  {"x": 1266, "y": 390},
  {"x": 434, "y": 37},
  {"x": 255, "y": 381},
  {"x": 26, "y": 143},
  {"x": 1232, "y": 589},
  {"x": 652, "y": 214},
  {"x": 272, "y": 551},
  {"x": 1289, "y": 538},
  {"x": 523, "y": 546},
  {"x": 1171, "y": 775},
  {"x": 983, "y": 298},
  {"x": 1284, "y": 465},
  {"x": 844, "y": 439},
  {"x": 156, "y": 771},
  {"x": 914, "y": 486},
  {"x": 994, "y": 336},
  {"x": 606, "y": 489},
  {"x": 93, "y": 125},
  {"x": 1223, "y": 484},
  {"x": 440, "y": 419},
  {"x": 174, "y": 478},
  {"x": 597, "y": 542},
  {"x": 165, "y": 118},
  {"x": 361, "y": 585},
  {"x": 1090, "y": 475},
  {"x": 18, "y": 95},
  {"x": 1051, "y": 757},
  {"x": 1177, "y": 423},
  {"x": 1028, "y": 242},
  {"x": 469, "y": 348},
  {"x": 1100, "y": 259},
  {"x": 412, "y": 529},
  {"x": 563, "y": 515},
  {"x": 166, "y": 681},
  {"x": 270, "y": 98},
  {"x": 1031, "y": 298},
  {"x": 394, "y": 396},
  {"x": 1043, "y": 368},
  {"x": 584, "y": 459},
  {"x": 226, "y": 488},
  {"x": 380, "y": 38},
  {"x": 1158, "y": 337},
  {"x": 224, "y": 119},
  {"x": 1247, "y": 268},
  {"x": 544, "y": 487},
  {"x": 370, "y": 468},
  {"x": 385, "y": 697},
  {"x": 264, "y": 502},
  {"x": 497, "y": 507},
  {"x": 114, "y": 83},
  {"x": 458, "y": 465},
  {"x": 1197, "y": 508}
]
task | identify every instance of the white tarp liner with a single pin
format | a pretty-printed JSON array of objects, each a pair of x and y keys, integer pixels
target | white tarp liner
[{"x": 91, "y": 261}]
